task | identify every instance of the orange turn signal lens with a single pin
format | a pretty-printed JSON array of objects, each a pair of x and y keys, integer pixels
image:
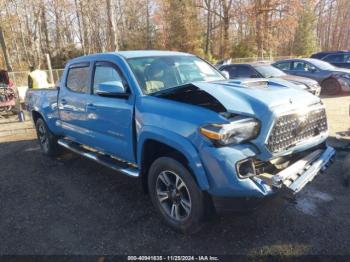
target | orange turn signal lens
[{"x": 210, "y": 134}]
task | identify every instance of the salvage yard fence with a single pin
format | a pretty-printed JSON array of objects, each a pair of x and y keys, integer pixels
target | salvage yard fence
[{"x": 20, "y": 78}]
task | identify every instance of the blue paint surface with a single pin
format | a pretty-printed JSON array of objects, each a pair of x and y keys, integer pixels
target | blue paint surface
[{"x": 121, "y": 126}]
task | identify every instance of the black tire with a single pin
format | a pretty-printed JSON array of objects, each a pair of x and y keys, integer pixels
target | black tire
[
  {"x": 47, "y": 141},
  {"x": 331, "y": 86},
  {"x": 182, "y": 220}
]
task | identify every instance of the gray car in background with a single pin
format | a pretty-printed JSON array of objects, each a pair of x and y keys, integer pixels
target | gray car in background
[
  {"x": 333, "y": 80},
  {"x": 266, "y": 70}
]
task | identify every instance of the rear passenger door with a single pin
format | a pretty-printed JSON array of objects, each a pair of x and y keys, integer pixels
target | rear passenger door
[
  {"x": 110, "y": 119},
  {"x": 73, "y": 96},
  {"x": 305, "y": 69}
]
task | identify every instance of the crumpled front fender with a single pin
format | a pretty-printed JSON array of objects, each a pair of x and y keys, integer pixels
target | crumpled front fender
[{"x": 180, "y": 144}]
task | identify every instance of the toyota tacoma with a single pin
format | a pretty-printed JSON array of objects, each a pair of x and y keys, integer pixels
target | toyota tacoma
[{"x": 194, "y": 139}]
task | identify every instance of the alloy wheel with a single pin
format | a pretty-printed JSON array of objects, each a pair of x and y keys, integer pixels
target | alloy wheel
[
  {"x": 43, "y": 137},
  {"x": 173, "y": 195}
]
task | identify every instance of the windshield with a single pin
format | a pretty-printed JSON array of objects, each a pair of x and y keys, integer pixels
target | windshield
[
  {"x": 322, "y": 65},
  {"x": 163, "y": 72},
  {"x": 269, "y": 71}
]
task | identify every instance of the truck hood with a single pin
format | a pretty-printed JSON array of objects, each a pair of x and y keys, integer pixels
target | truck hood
[{"x": 250, "y": 97}]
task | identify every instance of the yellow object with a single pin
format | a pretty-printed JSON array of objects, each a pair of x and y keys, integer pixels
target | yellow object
[
  {"x": 39, "y": 79},
  {"x": 154, "y": 86}
]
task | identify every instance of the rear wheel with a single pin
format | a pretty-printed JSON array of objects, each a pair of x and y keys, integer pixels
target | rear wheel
[
  {"x": 47, "y": 141},
  {"x": 331, "y": 86},
  {"x": 175, "y": 195}
]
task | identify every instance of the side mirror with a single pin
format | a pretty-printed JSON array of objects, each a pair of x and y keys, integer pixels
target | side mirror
[
  {"x": 111, "y": 89},
  {"x": 313, "y": 70}
]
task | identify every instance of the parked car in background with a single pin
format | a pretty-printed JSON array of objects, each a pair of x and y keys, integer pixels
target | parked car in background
[
  {"x": 333, "y": 80},
  {"x": 223, "y": 62},
  {"x": 193, "y": 138},
  {"x": 266, "y": 70},
  {"x": 336, "y": 58}
]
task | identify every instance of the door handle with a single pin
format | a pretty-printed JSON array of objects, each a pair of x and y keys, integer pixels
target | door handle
[
  {"x": 91, "y": 106},
  {"x": 63, "y": 101}
]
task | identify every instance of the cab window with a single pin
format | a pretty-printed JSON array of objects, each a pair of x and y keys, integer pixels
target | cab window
[
  {"x": 78, "y": 79},
  {"x": 105, "y": 73}
]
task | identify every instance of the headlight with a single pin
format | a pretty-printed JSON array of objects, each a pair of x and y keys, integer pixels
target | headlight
[{"x": 238, "y": 130}]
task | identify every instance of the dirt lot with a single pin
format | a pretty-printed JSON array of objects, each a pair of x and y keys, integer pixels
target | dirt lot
[{"x": 74, "y": 206}]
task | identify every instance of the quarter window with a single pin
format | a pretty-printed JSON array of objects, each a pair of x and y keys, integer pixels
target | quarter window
[{"x": 78, "y": 79}]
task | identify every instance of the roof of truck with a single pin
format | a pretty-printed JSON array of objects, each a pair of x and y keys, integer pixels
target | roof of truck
[
  {"x": 146, "y": 53},
  {"x": 128, "y": 54}
]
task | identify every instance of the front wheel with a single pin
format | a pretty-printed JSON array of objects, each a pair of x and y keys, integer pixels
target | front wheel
[
  {"x": 331, "y": 86},
  {"x": 47, "y": 140},
  {"x": 175, "y": 195}
]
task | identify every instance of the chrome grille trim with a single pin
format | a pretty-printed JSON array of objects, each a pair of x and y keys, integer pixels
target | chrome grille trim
[{"x": 294, "y": 127}]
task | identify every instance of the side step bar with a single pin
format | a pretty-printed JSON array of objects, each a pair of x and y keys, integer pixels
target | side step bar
[{"x": 107, "y": 161}]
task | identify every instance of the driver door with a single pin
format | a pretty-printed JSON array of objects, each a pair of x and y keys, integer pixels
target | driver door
[{"x": 111, "y": 118}]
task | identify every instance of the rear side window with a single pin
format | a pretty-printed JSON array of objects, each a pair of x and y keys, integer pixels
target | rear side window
[
  {"x": 78, "y": 79},
  {"x": 337, "y": 58},
  {"x": 283, "y": 66}
]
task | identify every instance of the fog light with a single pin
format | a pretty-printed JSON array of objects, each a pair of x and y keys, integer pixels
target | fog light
[{"x": 245, "y": 168}]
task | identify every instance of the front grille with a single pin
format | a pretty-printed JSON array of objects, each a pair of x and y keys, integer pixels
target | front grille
[{"x": 293, "y": 128}]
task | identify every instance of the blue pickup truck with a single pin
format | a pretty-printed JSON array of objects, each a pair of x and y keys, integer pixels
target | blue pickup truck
[{"x": 195, "y": 140}]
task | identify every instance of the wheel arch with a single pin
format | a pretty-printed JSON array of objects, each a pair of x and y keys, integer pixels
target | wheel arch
[
  {"x": 152, "y": 145},
  {"x": 36, "y": 115},
  {"x": 331, "y": 77}
]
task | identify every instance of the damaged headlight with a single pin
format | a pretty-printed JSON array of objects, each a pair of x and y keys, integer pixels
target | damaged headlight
[{"x": 238, "y": 130}]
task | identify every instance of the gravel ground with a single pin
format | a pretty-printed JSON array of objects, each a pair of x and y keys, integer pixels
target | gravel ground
[{"x": 72, "y": 205}]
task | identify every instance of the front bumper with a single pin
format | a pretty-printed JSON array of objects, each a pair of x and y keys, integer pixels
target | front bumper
[
  {"x": 297, "y": 175},
  {"x": 224, "y": 182}
]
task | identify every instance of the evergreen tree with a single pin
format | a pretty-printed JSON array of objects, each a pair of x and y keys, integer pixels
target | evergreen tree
[{"x": 305, "y": 40}]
